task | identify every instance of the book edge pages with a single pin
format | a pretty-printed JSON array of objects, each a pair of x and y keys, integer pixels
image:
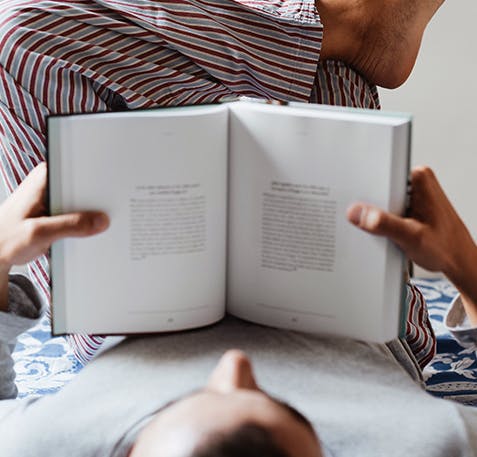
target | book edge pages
[{"x": 400, "y": 162}]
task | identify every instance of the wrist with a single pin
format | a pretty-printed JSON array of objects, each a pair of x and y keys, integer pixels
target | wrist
[
  {"x": 470, "y": 307},
  {"x": 343, "y": 29},
  {"x": 462, "y": 272}
]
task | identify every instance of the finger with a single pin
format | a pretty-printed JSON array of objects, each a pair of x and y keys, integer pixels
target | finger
[
  {"x": 29, "y": 197},
  {"x": 428, "y": 199},
  {"x": 35, "y": 181},
  {"x": 421, "y": 178},
  {"x": 422, "y": 174},
  {"x": 424, "y": 182},
  {"x": 50, "y": 229},
  {"x": 401, "y": 230}
]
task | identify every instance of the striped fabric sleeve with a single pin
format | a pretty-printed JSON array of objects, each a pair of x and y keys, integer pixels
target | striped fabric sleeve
[
  {"x": 257, "y": 48},
  {"x": 419, "y": 332},
  {"x": 338, "y": 84}
]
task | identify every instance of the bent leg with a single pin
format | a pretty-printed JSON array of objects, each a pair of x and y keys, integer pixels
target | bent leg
[{"x": 379, "y": 38}]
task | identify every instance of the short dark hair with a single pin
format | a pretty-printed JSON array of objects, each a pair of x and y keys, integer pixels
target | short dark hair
[{"x": 249, "y": 439}]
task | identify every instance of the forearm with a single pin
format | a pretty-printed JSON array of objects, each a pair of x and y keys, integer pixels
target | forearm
[{"x": 461, "y": 318}]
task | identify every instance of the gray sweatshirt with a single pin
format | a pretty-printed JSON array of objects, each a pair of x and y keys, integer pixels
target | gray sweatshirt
[{"x": 364, "y": 400}]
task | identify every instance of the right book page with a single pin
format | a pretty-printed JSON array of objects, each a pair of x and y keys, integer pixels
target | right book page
[{"x": 294, "y": 261}]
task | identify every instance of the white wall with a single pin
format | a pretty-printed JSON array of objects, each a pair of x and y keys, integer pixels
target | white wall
[{"x": 441, "y": 95}]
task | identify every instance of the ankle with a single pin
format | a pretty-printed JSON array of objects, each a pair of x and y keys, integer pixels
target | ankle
[
  {"x": 344, "y": 25},
  {"x": 380, "y": 39},
  {"x": 354, "y": 33}
]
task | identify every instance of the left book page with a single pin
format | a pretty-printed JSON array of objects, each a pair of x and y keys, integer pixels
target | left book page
[{"x": 161, "y": 176}]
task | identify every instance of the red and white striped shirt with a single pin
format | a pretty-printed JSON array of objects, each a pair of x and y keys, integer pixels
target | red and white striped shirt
[{"x": 98, "y": 55}]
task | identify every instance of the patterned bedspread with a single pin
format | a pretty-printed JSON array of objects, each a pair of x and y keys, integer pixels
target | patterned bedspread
[
  {"x": 452, "y": 374},
  {"x": 45, "y": 364}
]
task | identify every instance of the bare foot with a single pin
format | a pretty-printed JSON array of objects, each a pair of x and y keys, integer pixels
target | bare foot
[{"x": 379, "y": 38}]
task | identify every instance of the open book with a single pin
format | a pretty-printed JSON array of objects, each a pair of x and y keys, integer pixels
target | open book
[{"x": 238, "y": 208}]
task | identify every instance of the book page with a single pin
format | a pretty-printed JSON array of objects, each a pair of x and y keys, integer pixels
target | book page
[
  {"x": 161, "y": 177},
  {"x": 294, "y": 260}
]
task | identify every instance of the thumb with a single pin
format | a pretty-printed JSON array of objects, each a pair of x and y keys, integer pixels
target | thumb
[
  {"x": 373, "y": 220},
  {"x": 50, "y": 229}
]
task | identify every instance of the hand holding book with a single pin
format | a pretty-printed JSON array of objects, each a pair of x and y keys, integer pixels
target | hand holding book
[
  {"x": 433, "y": 235},
  {"x": 26, "y": 232}
]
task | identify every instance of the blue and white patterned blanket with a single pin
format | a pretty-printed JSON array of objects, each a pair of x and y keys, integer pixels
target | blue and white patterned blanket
[
  {"x": 45, "y": 364},
  {"x": 452, "y": 374}
]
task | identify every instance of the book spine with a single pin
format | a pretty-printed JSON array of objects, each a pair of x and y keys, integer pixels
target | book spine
[{"x": 55, "y": 206}]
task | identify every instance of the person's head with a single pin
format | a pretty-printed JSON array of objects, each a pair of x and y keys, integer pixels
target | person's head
[{"x": 231, "y": 416}]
